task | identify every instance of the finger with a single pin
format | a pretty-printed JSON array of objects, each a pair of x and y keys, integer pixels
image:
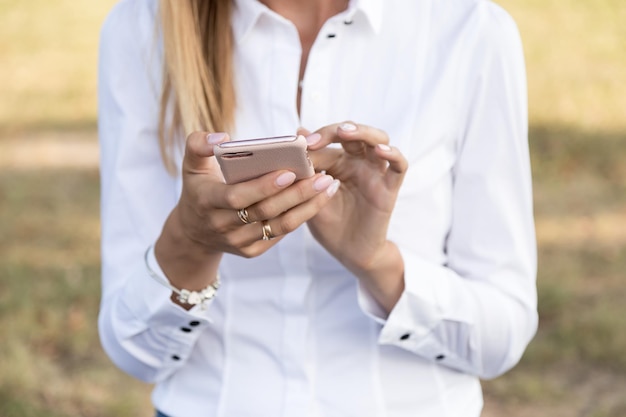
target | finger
[
  {"x": 398, "y": 165},
  {"x": 287, "y": 221},
  {"x": 355, "y": 146},
  {"x": 372, "y": 157},
  {"x": 321, "y": 158},
  {"x": 291, "y": 197},
  {"x": 303, "y": 131},
  {"x": 199, "y": 150},
  {"x": 248, "y": 240},
  {"x": 311, "y": 138},
  {"x": 325, "y": 158},
  {"x": 250, "y": 234},
  {"x": 348, "y": 132},
  {"x": 244, "y": 194},
  {"x": 258, "y": 247}
]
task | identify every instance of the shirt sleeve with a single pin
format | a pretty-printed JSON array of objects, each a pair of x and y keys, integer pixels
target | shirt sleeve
[
  {"x": 142, "y": 331},
  {"x": 478, "y": 312}
]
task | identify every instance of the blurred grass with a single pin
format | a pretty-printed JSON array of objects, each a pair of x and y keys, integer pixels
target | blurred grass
[
  {"x": 51, "y": 364},
  {"x": 575, "y": 57},
  {"x": 48, "y": 51}
]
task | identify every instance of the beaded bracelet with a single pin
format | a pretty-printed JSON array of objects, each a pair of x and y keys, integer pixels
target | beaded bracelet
[{"x": 185, "y": 296}]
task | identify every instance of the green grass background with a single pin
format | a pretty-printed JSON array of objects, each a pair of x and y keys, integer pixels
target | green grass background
[{"x": 51, "y": 363}]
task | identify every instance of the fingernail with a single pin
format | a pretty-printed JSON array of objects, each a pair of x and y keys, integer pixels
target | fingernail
[
  {"x": 313, "y": 138},
  {"x": 285, "y": 179},
  {"x": 330, "y": 191},
  {"x": 347, "y": 127},
  {"x": 384, "y": 147},
  {"x": 322, "y": 183},
  {"x": 215, "y": 138}
]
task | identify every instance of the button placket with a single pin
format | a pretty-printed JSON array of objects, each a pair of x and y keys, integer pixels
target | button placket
[
  {"x": 315, "y": 91},
  {"x": 296, "y": 323},
  {"x": 284, "y": 79}
]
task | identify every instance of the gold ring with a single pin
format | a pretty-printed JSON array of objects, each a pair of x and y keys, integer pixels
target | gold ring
[
  {"x": 267, "y": 231},
  {"x": 243, "y": 216}
]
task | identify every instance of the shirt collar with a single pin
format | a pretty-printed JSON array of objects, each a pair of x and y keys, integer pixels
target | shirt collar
[
  {"x": 247, "y": 13},
  {"x": 372, "y": 10}
]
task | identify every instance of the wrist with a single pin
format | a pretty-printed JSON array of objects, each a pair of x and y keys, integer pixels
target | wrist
[
  {"x": 383, "y": 276},
  {"x": 181, "y": 296},
  {"x": 186, "y": 263}
]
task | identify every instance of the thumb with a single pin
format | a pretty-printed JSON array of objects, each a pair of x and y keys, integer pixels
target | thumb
[
  {"x": 199, "y": 150},
  {"x": 303, "y": 131}
]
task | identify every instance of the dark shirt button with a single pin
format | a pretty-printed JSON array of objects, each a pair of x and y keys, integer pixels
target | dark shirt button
[
  {"x": 331, "y": 35},
  {"x": 347, "y": 22},
  {"x": 176, "y": 357},
  {"x": 440, "y": 357},
  {"x": 185, "y": 329},
  {"x": 405, "y": 336},
  {"x": 194, "y": 323}
]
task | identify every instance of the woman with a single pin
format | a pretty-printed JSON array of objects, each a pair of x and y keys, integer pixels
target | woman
[{"x": 388, "y": 283}]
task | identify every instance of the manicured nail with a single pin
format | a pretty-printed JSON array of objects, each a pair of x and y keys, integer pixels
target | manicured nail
[
  {"x": 384, "y": 147},
  {"x": 285, "y": 179},
  {"x": 313, "y": 138},
  {"x": 322, "y": 183},
  {"x": 215, "y": 138},
  {"x": 347, "y": 127},
  {"x": 330, "y": 191}
]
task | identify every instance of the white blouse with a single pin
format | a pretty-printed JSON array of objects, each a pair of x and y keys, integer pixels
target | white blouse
[{"x": 290, "y": 332}]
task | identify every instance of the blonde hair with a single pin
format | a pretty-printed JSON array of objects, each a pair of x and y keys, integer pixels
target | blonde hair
[{"x": 198, "y": 87}]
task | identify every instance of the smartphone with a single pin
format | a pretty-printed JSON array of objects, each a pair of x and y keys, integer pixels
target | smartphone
[{"x": 243, "y": 160}]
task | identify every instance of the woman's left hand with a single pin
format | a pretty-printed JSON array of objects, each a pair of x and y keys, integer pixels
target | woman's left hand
[{"x": 353, "y": 225}]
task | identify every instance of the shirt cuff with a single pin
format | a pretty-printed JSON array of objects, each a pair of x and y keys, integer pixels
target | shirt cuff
[
  {"x": 415, "y": 320},
  {"x": 152, "y": 328}
]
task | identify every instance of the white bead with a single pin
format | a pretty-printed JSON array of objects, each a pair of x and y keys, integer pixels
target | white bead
[{"x": 194, "y": 298}]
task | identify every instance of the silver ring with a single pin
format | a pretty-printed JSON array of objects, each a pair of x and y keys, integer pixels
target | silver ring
[
  {"x": 243, "y": 216},
  {"x": 267, "y": 231}
]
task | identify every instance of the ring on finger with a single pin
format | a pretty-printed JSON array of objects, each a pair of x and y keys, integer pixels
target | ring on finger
[
  {"x": 243, "y": 216},
  {"x": 267, "y": 231}
]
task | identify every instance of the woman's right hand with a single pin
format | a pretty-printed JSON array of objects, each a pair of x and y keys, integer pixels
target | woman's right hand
[{"x": 205, "y": 222}]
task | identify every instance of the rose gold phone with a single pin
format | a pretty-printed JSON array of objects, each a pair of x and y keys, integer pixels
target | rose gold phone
[{"x": 243, "y": 160}]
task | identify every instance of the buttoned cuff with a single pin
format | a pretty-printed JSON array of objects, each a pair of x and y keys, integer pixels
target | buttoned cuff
[
  {"x": 416, "y": 321},
  {"x": 153, "y": 327}
]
